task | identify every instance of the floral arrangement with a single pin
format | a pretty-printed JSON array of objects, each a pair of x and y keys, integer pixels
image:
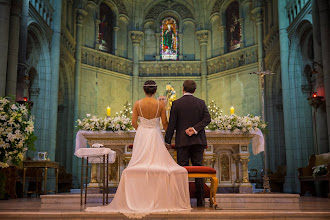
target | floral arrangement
[
  {"x": 320, "y": 170},
  {"x": 94, "y": 123},
  {"x": 16, "y": 132},
  {"x": 235, "y": 123}
]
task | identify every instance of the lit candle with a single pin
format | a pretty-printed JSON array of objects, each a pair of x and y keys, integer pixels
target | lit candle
[
  {"x": 108, "y": 111},
  {"x": 232, "y": 110}
]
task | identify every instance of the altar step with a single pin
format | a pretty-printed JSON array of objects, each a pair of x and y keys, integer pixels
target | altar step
[{"x": 230, "y": 200}]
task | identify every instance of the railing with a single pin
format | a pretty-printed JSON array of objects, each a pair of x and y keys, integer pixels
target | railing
[
  {"x": 106, "y": 61},
  {"x": 67, "y": 41},
  {"x": 233, "y": 60},
  {"x": 169, "y": 68},
  {"x": 293, "y": 8},
  {"x": 45, "y": 10}
]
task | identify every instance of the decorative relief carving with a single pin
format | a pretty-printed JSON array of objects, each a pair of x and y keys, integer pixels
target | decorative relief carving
[
  {"x": 68, "y": 42},
  {"x": 232, "y": 60},
  {"x": 81, "y": 15},
  {"x": 225, "y": 167},
  {"x": 173, "y": 68},
  {"x": 163, "y": 6},
  {"x": 202, "y": 36},
  {"x": 121, "y": 7},
  {"x": 106, "y": 61},
  {"x": 217, "y": 6}
]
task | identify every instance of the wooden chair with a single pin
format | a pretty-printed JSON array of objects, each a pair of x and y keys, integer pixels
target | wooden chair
[{"x": 205, "y": 172}]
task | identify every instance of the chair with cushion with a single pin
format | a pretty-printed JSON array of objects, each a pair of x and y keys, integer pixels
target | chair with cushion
[{"x": 205, "y": 172}]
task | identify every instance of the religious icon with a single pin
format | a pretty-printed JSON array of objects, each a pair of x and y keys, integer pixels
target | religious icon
[
  {"x": 168, "y": 38},
  {"x": 233, "y": 27},
  {"x": 169, "y": 43},
  {"x": 170, "y": 94}
]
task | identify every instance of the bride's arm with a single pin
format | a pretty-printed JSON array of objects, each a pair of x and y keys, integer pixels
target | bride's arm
[
  {"x": 135, "y": 115},
  {"x": 163, "y": 115}
]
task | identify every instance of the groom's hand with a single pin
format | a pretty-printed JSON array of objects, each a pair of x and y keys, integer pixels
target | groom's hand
[{"x": 190, "y": 131}]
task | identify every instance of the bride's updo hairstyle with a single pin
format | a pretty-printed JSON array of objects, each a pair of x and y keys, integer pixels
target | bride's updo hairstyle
[{"x": 150, "y": 87}]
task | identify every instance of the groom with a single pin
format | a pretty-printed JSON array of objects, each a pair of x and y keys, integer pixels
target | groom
[{"x": 189, "y": 116}]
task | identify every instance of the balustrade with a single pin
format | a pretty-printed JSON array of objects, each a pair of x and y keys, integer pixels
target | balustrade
[{"x": 45, "y": 10}]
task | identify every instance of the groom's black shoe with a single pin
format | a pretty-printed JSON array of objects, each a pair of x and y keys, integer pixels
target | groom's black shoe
[{"x": 201, "y": 202}]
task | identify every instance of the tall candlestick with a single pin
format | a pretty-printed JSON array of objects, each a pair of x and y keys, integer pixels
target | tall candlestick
[
  {"x": 232, "y": 110},
  {"x": 108, "y": 111}
]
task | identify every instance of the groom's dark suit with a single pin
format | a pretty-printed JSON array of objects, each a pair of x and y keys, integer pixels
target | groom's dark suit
[{"x": 186, "y": 112}]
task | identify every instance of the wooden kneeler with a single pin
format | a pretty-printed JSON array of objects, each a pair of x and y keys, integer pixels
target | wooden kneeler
[{"x": 205, "y": 172}]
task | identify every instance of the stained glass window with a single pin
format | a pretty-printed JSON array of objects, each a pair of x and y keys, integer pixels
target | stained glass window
[
  {"x": 233, "y": 27},
  {"x": 105, "y": 29},
  {"x": 169, "y": 43}
]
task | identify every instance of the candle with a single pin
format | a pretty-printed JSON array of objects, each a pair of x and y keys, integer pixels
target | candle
[
  {"x": 232, "y": 110},
  {"x": 108, "y": 111}
]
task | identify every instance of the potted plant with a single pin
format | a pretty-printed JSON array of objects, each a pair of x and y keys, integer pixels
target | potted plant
[{"x": 16, "y": 137}]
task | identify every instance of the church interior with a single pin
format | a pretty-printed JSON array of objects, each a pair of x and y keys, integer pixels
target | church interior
[{"x": 71, "y": 60}]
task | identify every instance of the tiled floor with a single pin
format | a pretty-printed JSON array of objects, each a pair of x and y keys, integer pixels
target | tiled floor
[{"x": 31, "y": 208}]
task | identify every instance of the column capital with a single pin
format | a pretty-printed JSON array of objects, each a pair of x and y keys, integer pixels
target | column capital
[
  {"x": 116, "y": 29},
  {"x": 136, "y": 36},
  {"x": 158, "y": 35},
  {"x": 81, "y": 15},
  {"x": 97, "y": 22},
  {"x": 202, "y": 36},
  {"x": 257, "y": 14}
]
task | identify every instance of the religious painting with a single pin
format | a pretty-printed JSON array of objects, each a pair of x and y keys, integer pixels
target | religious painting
[
  {"x": 169, "y": 42},
  {"x": 105, "y": 29},
  {"x": 233, "y": 27}
]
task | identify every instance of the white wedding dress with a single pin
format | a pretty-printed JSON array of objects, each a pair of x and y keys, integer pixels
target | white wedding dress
[{"x": 152, "y": 181}]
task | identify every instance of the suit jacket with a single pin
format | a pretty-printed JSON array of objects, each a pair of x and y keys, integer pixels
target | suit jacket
[{"x": 188, "y": 111}]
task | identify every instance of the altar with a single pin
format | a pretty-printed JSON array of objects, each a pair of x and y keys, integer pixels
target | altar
[{"x": 227, "y": 153}]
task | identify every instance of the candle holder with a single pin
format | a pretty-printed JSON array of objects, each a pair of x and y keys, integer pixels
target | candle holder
[{"x": 316, "y": 101}]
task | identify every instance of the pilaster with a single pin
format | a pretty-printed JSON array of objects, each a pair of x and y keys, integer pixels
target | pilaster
[
  {"x": 97, "y": 27},
  {"x": 136, "y": 37},
  {"x": 202, "y": 37},
  {"x": 181, "y": 46},
  {"x": 115, "y": 41},
  {"x": 15, "y": 18},
  {"x": 4, "y": 37},
  {"x": 157, "y": 35}
]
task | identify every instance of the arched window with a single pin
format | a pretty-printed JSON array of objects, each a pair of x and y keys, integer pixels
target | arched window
[
  {"x": 105, "y": 28},
  {"x": 169, "y": 44},
  {"x": 233, "y": 27}
]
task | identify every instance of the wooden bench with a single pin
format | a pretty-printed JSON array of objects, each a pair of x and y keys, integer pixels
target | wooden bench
[{"x": 306, "y": 178}]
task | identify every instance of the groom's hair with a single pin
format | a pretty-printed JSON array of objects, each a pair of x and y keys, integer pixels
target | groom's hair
[
  {"x": 150, "y": 87},
  {"x": 189, "y": 86}
]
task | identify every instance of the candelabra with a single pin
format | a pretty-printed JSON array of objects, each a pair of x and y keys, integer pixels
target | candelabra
[{"x": 262, "y": 74}]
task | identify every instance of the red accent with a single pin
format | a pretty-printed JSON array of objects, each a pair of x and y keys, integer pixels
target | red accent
[
  {"x": 314, "y": 95},
  {"x": 25, "y": 99},
  {"x": 192, "y": 190},
  {"x": 130, "y": 146},
  {"x": 200, "y": 169}
]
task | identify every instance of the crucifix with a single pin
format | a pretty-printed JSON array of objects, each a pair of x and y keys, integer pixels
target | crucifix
[{"x": 262, "y": 73}]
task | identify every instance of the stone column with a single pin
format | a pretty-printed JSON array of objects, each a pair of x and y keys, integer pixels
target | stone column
[
  {"x": 69, "y": 20},
  {"x": 324, "y": 13},
  {"x": 4, "y": 36},
  {"x": 157, "y": 35},
  {"x": 22, "y": 66},
  {"x": 321, "y": 113},
  {"x": 241, "y": 21},
  {"x": 223, "y": 38},
  {"x": 136, "y": 37},
  {"x": 15, "y": 18},
  {"x": 97, "y": 27},
  {"x": 181, "y": 47},
  {"x": 115, "y": 40},
  {"x": 257, "y": 12},
  {"x": 202, "y": 36},
  {"x": 55, "y": 66},
  {"x": 289, "y": 184},
  {"x": 81, "y": 14}
]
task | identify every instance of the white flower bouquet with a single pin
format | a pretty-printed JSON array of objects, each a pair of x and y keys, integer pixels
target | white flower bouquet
[
  {"x": 94, "y": 123},
  {"x": 236, "y": 123},
  {"x": 320, "y": 170},
  {"x": 16, "y": 132}
]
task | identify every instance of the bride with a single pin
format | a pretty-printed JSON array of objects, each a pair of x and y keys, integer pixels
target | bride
[{"x": 152, "y": 181}]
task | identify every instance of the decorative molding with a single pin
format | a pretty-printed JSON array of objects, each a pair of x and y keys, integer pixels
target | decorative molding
[
  {"x": 202, "y": 36},
  {"x": 106, "y": 61},
  {"x": 182, "y": 10},
  {"x": 169, "y": 68},
  {"x": 45, "y": 10},
  {"x": 68, "y": 44},
  {"x": 34, "y": 91},
  {"x": 233, "y": 60}
]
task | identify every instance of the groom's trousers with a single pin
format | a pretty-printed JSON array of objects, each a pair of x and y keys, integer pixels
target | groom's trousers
[{"x": 195, "y": 154}]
